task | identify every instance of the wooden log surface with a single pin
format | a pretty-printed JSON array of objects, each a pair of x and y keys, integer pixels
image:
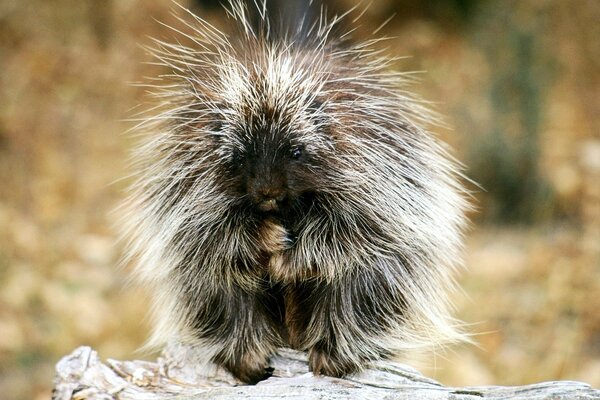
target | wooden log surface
[{"x": 82, "y": 375}]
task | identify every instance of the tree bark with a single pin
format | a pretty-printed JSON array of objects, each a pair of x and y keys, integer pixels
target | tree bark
[{"x": 82, "y": 375}]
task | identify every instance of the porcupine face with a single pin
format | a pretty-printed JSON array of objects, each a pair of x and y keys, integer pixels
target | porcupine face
[
  {"x": 271, "y": 171},
  {"x": 272, "y": 167}
]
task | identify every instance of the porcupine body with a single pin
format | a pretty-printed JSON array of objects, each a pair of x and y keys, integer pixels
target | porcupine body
[{"x": 291, "y": 196}]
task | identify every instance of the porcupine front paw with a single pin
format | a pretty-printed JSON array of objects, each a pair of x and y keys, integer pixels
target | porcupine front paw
[
  {"x": 322, "y": 361},
  {"x": 249, "y": 370}
]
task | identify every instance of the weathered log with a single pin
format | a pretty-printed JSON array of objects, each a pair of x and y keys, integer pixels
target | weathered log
[{"x": 82, "y": 375}]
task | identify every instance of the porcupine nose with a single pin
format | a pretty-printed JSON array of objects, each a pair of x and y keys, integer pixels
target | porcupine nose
[
  {"x": 267, "y": 185},
  {"x": 267, "y": 190},
  {"x": 269, "y": 198}
]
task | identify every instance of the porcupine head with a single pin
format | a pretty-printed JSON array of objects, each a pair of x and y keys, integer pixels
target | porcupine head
[{"x": 290, "y": 195}]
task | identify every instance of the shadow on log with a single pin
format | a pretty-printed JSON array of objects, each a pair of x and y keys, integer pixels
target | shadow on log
[{"x": 82, "y": 375}]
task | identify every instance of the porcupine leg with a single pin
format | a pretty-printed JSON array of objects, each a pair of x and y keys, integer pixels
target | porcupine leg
[
  {"x": 252, "y": 334},
  {"x": 349, "y": 321},
  {"x": 244, "y": 329}
]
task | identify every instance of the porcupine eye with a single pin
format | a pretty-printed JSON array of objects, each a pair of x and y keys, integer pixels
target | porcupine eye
[{"x": 296, "y": 152}]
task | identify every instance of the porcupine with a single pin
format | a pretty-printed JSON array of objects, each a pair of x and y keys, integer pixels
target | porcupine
[{"x": 290, "y": 194}]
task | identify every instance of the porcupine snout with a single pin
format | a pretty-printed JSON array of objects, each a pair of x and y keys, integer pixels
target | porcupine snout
[
  {"x": 269, "y": 197},
  {"x": 267, "y": 188}
]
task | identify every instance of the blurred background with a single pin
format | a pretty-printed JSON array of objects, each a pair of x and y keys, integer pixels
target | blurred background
[{"x": 517, "y": 80}]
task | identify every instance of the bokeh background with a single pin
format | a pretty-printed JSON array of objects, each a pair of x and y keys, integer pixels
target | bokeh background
[{"x": 518, "y": 80}]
